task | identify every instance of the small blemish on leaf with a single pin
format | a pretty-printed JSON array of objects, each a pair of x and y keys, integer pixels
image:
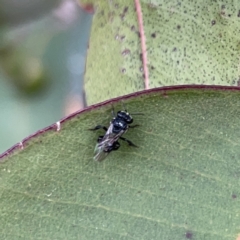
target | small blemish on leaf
[
  {"x": 238, "y": 13},
  {"x": 178, "y": 27},
  {"x": 122, "y": 37},
  {"x": 152, "y": 67},
  {"x": 222, "y": 13},
  {"x": 133, "y": 28},
  {"x": 125, "y": 52},
  {"x": 151, "y": 5},
  {"x": 125, "y": 10},
  {"x": 122, "y": 16},
  {"x": 153, "y": 35},
  {"x": 140, "y": 56},
  {"x": 213, "y": 22},
  {"x": 165, "y": 95},
  {"x": 139, "y": 35},
  {"x": 188, "y": 235},
  {"x": 123, "y": 70},
  {"x": 234, "y": 196},
  {"x": 116, "y": 5},
  {"x": 174, "y": 49},
  {"x": 141, "y": 69}
]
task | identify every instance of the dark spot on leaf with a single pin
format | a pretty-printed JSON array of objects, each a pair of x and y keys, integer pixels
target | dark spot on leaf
[
  {"x": 153, "y": 35},
  {"x": 189, "y": 235},
  {"x": 151, "y": 5},
  {"x": 116, "y": 5},
  {"x": 229, "y": 15},
  {"x": 139, "y": 35},
  {"x": 223, "y": 13},
  {"x": 111, "y": 16},
  {"x": 122, "y": 37},
  {"x": 177, "y": 62},
  {"x": 165, "y": 95},
  {"x": 141, "y": 69},
  {"x": 140, "y": 56},
  {"x": 123, "y": 70},
  {"x": 132, "y": 28},
  {"x": 125, "y": 52},
  {"x": 122, "y": 16},
  {"x": 234, "y": 196},
  {"x": 174, "y": 49},
  {"x": 178, "y": 27},
  {"x": 213, "y": 22},
  {"x": 152, "y": 67},
  {"x": 125, "y": 9},
  {"x": 223, "y": 6},
  {"x": 185, "y": 11},
  {"x": 238, "y": 13}
]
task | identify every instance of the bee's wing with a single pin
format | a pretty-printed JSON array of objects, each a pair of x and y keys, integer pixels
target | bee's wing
[
  {"x": 107, "y": 141},
  {"x": 99, "y": 154}
]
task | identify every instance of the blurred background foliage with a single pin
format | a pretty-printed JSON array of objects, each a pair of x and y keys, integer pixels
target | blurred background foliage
[{"x": 43, "y": 48}]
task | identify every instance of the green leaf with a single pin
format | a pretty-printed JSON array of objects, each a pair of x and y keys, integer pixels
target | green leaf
[
  {"x": 187, "y": 42},
  {"x": 181, "y": 183}
]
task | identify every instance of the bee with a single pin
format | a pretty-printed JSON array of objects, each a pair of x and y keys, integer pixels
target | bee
[{"x": 109, "y": 142}]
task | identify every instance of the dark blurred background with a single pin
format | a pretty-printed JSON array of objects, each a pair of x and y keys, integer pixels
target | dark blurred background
[{"x": 43, "y": 46}]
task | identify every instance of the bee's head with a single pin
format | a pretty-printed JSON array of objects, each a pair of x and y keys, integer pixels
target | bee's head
[{"x": 125, "y": 116}]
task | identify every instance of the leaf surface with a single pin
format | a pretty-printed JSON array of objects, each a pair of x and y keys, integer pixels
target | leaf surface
[
  {"x": 181, "y": 183},
  {"x": 187, "y": 42}
]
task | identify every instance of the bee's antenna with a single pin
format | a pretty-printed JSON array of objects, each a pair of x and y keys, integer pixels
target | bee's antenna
[
  {"x": 113, "y": 112},
  {"x": 137, "y": 113},
  {"x": 123, "y": 106}
]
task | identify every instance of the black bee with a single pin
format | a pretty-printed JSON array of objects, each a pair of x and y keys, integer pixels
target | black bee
[{"x": 109, "y": 142}]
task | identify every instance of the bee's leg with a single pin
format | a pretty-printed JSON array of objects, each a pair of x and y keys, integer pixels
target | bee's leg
[
  {"x": 116, "y": 146},
  {"x": 100, "y": 139},
  {"x": 98, "y": 127},
  {"x": 123, "y": 106},
  {"x": 113, "y": 112},
  {"x": 129, "y": 142},
  {"x": 133, "y": 126}
]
